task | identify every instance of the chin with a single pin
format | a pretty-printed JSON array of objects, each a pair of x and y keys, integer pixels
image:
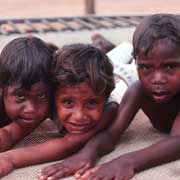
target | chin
[{"x": 162, "y": 101}]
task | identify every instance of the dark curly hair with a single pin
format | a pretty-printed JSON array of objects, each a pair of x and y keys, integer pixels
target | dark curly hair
[
  {"x": 153, "y": 28},
  {"x": 77, "y": 63},
  {"x": 25, "y": 60}
]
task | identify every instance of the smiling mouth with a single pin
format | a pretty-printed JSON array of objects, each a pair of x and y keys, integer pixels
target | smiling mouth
[{"x": 80, "y": 126}]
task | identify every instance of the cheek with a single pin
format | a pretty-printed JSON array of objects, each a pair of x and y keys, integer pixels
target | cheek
[
  {"x": 12, "y": 110},
  {"x": 43, "y": 110},
  {"x": 174, "y": 84},
  {"x": 144, "y": 78},
  {"x": 61, "y": 112},
  {"x": 96, "y": 115}
]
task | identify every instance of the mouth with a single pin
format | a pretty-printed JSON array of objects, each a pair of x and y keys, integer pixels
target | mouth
[
  {"x": 25, "y": 121},
  {"x": 79, "y": 127},
  {"x": 160, "y": 96}
]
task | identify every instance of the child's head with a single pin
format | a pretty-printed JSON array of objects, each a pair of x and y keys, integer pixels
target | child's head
[
  {"x": 156, "y": 43},
  {"x": 84, "y": 79},
  {"x": 25, "y": 78}
]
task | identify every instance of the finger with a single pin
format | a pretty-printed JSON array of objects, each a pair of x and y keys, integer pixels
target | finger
[
  {"x": 129, "y": 177},
  {"x": 47, "y": 170},
  {"x": 45, "y": 174},
  {"x": 57, "y": 175},
  {"x": 120, "y": 177},
  {"x": 89, "y": 173},
  {"x": 81, "y": 171}
]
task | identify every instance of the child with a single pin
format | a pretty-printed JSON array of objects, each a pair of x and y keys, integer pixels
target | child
[
  {"x": 83, "y": 78},
  {"x": 26, "y": 88},
  {"x": 156, "y": 43}
]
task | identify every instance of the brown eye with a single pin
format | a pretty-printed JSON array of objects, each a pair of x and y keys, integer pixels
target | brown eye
[
  {"x": 92, "y": 103},
  {"x": 20, "y": 97},
  {"x": 144, "y": 68},
  {"x": 170, "y": 67},
  {"x": 68, "y": 103},
  {"x": 42, "y": 96}
]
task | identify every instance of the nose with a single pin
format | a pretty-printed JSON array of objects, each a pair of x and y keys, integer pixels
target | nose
[
  {"x": 29, "y": 107},
  {"x": 79, "y": 115},
  {"x": 158, "y": 77}
]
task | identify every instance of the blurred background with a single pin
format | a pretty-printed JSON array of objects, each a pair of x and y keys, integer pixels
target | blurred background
[
  {"x": 52, "y": 8},
  {"x": 14, "y": 9}
]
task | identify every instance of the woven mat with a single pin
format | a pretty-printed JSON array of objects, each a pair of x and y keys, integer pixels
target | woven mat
[{"x": 140, "y": 134}]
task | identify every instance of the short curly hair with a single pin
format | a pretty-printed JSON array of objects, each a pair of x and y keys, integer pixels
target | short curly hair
[
  {"x": 153, "y": 28},
  {"x": 77, "y": 63}
]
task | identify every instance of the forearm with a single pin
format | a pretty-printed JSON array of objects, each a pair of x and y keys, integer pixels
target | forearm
[
  {"x": 109, "y": 115},
  {"x": 107, "y": 119},
  {"x": 49, "y": 151},
  {"x": 100, "y": 145},
  {"x": 12, "y": 133},
  {"x": 106, "y": 141},
  {"x": 162, "y": 152}
]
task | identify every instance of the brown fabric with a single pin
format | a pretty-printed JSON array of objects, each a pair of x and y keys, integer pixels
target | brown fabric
[{"x": 140, "y": 134}]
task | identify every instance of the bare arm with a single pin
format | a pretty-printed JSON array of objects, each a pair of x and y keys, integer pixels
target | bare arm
[
  {"x": 106, "y": 140},
  {"x": 164, "y": 151},
  {"x": 53, "y": 149},
  {"x": 48, "y": 151},
  {"x": 99, "y": 145},
  {"x": 125, "y": 166},
  {"x": 13, "y": 133},
  {"x": 60, "y": 147},
  {"x": 161, "y": 152}
]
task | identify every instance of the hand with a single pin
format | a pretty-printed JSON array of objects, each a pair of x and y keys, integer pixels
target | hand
[
  {"x": 116, "y": 170},
  {"x": 76, "y": 164},
  {"x": 6, "y": 166}
]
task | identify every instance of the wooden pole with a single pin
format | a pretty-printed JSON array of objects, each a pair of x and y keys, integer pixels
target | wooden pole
[{"x": 90, "y": 6}]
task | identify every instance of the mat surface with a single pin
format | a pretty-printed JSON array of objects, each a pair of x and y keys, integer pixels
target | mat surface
[{"x": 140, "y": 134}]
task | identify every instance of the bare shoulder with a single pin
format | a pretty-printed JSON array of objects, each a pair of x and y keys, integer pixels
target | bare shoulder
[
  {"x": 134, "y": 92},
  {"x": 131, "y": 101},
  {"x": 19, "y": 131},
  {"x": 135, "y": 87}
]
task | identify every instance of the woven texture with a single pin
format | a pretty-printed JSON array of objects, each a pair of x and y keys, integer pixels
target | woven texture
[{"x": 139, "y": 135}]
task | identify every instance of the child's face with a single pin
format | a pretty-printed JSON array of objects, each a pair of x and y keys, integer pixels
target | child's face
[
  {"x": 27, "y": 106},
  {"x": 78, "y": 108},
  {"x": 159, "y": 71}
]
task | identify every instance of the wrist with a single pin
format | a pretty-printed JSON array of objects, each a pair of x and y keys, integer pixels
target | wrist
[
  {"x": 128, "y": 161},
  {"x": 89, "y": 153},
  {"x": 7, "y": 158}
]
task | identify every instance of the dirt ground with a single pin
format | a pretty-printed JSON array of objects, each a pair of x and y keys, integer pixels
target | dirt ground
[{"x": 49, "y": 8}]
